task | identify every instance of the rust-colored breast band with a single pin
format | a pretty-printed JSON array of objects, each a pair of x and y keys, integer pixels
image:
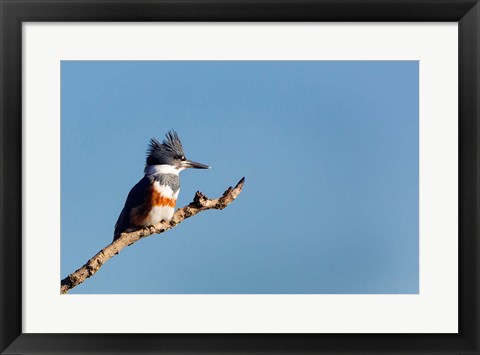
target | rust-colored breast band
[
  {"x": 159, "y": 200},
  {"x": 153, "y": 199}
]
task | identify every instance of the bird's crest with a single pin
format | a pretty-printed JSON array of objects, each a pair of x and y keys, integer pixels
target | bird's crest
[{"x": 163, "y": 153}]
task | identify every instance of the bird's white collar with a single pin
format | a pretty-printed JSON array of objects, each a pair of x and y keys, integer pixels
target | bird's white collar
[{"x": 162, "y": 169}]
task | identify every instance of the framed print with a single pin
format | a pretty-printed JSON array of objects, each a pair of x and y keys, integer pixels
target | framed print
[{"x": 348, "y": 135}]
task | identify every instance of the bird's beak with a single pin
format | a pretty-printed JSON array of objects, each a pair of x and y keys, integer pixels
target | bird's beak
[{"x": 192, "y": 164}]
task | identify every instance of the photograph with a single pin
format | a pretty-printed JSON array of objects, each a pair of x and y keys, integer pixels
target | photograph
[
  {"x": 322, "y": 158},
  {"x": 241, "y": 177}
]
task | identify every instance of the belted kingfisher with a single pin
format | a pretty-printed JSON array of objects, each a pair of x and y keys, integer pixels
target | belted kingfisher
[{"x": 154, "y": 197}]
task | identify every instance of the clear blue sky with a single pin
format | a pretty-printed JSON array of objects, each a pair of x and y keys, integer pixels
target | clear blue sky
[{"x": 329, "y": 151}]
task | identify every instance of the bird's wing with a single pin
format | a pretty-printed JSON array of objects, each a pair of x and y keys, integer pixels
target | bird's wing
[{"x": 135, "y": 198}]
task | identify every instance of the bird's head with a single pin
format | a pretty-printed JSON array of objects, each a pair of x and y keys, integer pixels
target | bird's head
[{"x": 170, "y": 152}]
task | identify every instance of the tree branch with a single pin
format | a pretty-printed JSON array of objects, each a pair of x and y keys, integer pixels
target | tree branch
[{"x": 200, "y": 203}]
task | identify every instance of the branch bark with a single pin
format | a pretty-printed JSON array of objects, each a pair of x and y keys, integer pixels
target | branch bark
[{"x": 200, "y": 203}]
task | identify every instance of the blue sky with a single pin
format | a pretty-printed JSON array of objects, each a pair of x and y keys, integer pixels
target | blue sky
[{"x": 329, "y": 150}]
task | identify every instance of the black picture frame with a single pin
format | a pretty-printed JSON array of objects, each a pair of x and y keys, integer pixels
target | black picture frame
[{"x": 14, "y": 12}]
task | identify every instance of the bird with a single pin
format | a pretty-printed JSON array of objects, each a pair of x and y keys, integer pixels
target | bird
[{"x": 154, "y": 197}]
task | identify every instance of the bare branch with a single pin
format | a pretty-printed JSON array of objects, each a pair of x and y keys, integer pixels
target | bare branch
[{"x": 200, "y": 203}]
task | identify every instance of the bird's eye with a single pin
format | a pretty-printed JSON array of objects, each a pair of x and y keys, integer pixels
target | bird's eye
[{"x": 183, "y": 158}]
